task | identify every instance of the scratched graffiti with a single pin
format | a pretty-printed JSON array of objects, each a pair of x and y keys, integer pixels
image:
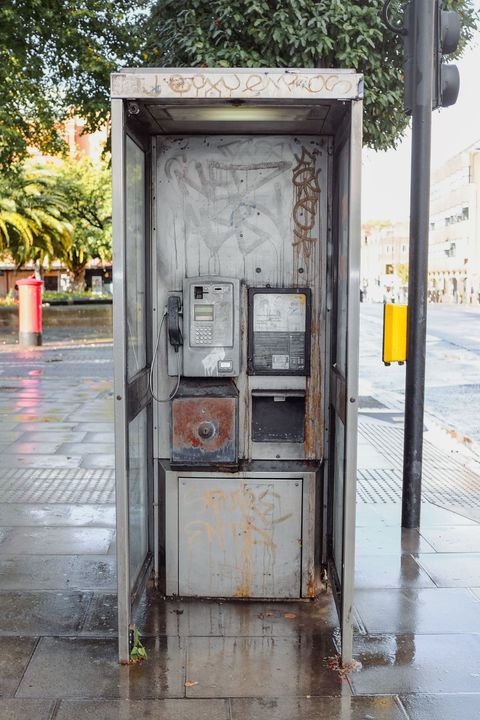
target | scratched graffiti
[
  {"x": 232, "y": 201},
  {"x": 203, "y": 84},
  {"x": 306, "y": 202}
]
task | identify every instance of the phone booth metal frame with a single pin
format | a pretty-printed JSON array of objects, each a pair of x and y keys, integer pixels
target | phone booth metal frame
[{"x": 333, "y": 98}]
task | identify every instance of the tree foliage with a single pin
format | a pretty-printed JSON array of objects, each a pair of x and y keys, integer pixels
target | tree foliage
[
  {"x": 55, "y": 59},
  {"x": 297, "y": 33},
  {"x": 33, "y": 225},
  {"x": 86, "y": 189},
  {"x": 57, "y": 210}
]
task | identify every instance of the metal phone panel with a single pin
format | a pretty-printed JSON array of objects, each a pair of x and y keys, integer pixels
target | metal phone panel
[
  {"x": 279, "y": 330},
  {"x": 240, "y": 537},
  {"x": 211, "y": 322}
]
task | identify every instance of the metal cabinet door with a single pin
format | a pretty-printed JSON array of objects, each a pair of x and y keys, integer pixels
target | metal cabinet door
[{"x": 240, "y": 538}]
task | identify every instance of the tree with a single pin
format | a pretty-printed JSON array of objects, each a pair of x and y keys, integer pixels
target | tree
[
  {"x": 85, "y": 188},
  {"x": 32, "y": 218},
  {"x": 296, "y": 33},
  {"x": 55, "y": 59}
]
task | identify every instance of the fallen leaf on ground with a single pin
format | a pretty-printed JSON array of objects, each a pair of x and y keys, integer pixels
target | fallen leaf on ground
[
  {"x": 190, "y": 683},
  {"x": 335, "y": 663},
  {"x": 289, "y": 616}
]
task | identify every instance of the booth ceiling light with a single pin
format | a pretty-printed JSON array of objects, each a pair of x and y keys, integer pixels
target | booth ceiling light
[{"x": 232, "y": 113}]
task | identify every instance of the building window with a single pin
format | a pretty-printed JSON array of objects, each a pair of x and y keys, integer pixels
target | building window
[
  {"x": 50, "y": 283},
  {"x": 451, "y": 251}
]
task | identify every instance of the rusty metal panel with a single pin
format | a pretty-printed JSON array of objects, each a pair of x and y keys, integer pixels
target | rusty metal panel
[
  {"x": 204, "y": 427},
  {"x": 240, "y": 538}
]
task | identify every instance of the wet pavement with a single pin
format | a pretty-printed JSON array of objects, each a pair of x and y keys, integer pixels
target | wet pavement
[{"x": 417, "y": 616}]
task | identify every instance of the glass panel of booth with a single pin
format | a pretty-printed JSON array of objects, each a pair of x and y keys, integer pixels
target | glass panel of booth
[
  {"x": 342, "y": 260},
  {"x": 338, "y": 495},
  {"x": 135, "y": 258},
  {"x": 137, "y": 494}
]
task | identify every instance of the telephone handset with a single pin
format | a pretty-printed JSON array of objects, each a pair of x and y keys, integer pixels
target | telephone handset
[{"x": 173, "y": 323}]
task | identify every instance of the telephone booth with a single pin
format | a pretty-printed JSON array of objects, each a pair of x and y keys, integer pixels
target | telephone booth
[{"x": 236, "y": 225}]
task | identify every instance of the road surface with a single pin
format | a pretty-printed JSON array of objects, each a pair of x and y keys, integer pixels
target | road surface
[{"x": 452, "y": 392}]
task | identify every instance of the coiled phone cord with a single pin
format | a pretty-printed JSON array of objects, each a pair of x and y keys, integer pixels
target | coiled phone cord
[{"x": 152, "y": 366}]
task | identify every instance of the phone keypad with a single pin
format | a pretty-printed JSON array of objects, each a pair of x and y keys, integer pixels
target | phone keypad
[{"x": 203, "y": 335}]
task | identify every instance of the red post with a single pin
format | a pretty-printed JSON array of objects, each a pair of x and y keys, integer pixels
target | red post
[{"x": 29, "y": 311}]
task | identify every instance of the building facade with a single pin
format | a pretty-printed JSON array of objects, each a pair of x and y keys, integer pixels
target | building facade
[
  {"x": 384, "y": 261},
  {"x": 454, "y": 244}
]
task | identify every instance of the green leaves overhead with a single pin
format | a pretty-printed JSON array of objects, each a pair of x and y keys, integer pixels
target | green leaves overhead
[
  {"x": 298, "y": 33},
  {"x": 55, "y": 59},
  {"x": 56, "y": 55}
]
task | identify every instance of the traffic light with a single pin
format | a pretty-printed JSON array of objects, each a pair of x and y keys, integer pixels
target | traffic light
[
  {"x": 408, "y": 32},
  {"x": 446, "y": 78}
]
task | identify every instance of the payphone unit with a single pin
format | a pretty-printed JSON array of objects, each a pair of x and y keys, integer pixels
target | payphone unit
[{"x": 211, "y": 327}]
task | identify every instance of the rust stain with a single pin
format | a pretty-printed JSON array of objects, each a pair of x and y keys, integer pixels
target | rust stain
[
  {"x": 310, "y": 585},
  {"x": 252, "y": 526},
  {"x": 188, "y": 414},
  {"x": 313, "y": 400}
]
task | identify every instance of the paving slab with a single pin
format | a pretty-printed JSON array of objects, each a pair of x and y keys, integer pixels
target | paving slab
[
  {"x": 390, "y": 514},
  {"x": 410, "y": 664},
  {"x": 375, "y": 540},
  {"x": 437, "y": 610},
  {"x": 42, "y": 613},
  {"x": 57, "y": 541},
  {"x": 99, "y": 437},
  {"x": 15, "y": 654},
  {"x": 85, "y": 448},
  {"x": 280, "y": 619},
  {"x": 83, "y": 668},
  {"x": 54, "y": 436},
  {"x": 452, "y": 569},
  {"x": 95, "y": 427},
  {"x": 46, "y": 427},
  {"x": 262, "y": 667},
  {"x": 16, "y": 709},
  {"x": 442, "y": 707},
  {"x": 462, "y": 538},
  {"x": 390, "y": 571},
  {"x": 98, "y": 461},
  {"x": 32, "y": 460},
  {"x": 196, "y": 618},
  {"x": 317, "y": 708},
  {"x": 101, "y": 619},
  {"x": 57, "y": 572},
  {"x": 180, "y": 709},
  {"x": 9, "y": 436},
  {"x": 66, "y": 515}
]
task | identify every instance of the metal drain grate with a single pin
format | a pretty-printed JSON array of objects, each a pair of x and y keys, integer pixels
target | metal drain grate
[
  {"x": 445, "y": 480},
  {"x": 57, "y": 486}
]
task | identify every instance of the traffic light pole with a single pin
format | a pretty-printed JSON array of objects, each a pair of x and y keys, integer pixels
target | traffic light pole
[{"x": 423, "y": 22}]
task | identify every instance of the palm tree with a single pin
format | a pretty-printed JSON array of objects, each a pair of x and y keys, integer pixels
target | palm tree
[{"x": 33, "y": 225}]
